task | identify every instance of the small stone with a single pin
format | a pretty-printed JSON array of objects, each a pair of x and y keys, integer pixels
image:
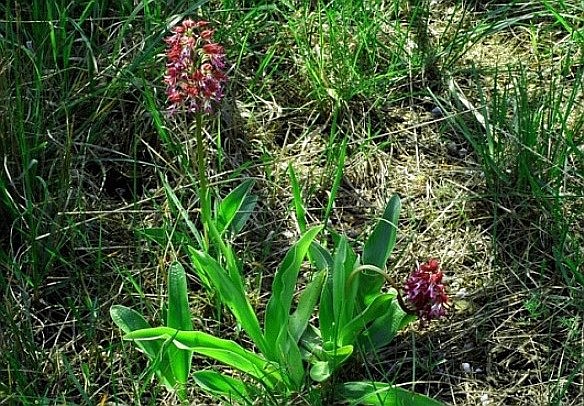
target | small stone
[
  {"x": 466, "y": 367},
  {"x": 437, "y": 112}
]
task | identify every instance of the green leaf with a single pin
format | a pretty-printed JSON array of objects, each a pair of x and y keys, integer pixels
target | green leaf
[
  {"x": 298, "y": 203},
  {"x": 160, "y": 236},
  {"x": 235, "y": 208},
  {"x": 320, "y": 371},
  {"x": 232, "y": 295},
  {"x": 337, "y": 302},
  {"x": 377, "y": 308},
  {"x": 382, "y": 240},
  {"x": 129, "y": 320},
  {"x": 183, "y": 213},
  {"x": 307, "y": 301},
  {"x": 331, "y": 359},
  {"x": 243, "y": 214},
  {"x": 179, "y": 317},
  {"x": 343, "y": 295},
  {"x": 382, "y": 394},
  {"x": 179, "y": 314},
  {"x": 384, "y": 329},
  {"x": 379, "y": 246},
  {"x": 290, "y": 359},
  {"x": 319, "y": 257},
  {"x": 283, "y": 286},
  {"x": 226, "y": 351},
  {"x": 222, "y": 385}
]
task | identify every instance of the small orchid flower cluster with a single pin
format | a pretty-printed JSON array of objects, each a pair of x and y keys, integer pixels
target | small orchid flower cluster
[
  {"x": 195, "y": 67},
  {"x": 425, "y": 291}
]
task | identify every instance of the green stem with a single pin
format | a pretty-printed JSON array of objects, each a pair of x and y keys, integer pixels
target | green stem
[
  {"x": 203, "y": 181},
  {"x": 209, "y": 227}
]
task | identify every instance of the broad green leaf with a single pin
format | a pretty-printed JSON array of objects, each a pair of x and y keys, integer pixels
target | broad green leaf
[
  {"x": 226, "y": 351},
  {"x": 343, "y": 294},
  {"x": 179, "y": 314},
  {"x": 298, "y": 203},
  {"x": 331, "y": 359},
  {"x": 339, "y": 277},
  {"x": 231, "y": 207},
  {"x": 379, "y": 246},
  {"x": 222, "y": 385},
  {"x": 283, "y": 286},
  {"x": 326, "y": 311},
  {"x": 320, "y": 371},
  {"x": 384, "y": 329},
  {"x": 377, "y": 308},
  {"x": 382, "y": 394},
  {"x": 129, "y": 320},
  {"x": 179, "y": 317},
  {"x": 337, "y": 301},
  {"x": 319, "y": 257},
  {"x": 307, "y": 301},
  {"x": 231, "y": 294},
  {"x": 290, "y": 359},
  {"x": 311, "y": 344},
  {"x": 243, "y": 214}
]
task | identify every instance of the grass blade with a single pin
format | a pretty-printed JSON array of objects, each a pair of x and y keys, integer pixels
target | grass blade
[{"x": 298, "y": 203}]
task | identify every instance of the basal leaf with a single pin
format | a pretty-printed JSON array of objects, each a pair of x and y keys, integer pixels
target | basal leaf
[
  {"x": 222, "y": 385},
  {"x": 231, "y": 294},
  {"x": 243, "y": 214},
  {"x": 290, "y": 359},
  {"x": 384, "y": 328},
  {"x": 283, "y": 286},
  {"x": 179, "y": 317},
  {"x": 335, "y": 356},
  {"x": 382, "y": 394},
  {"x": 225, "y": 351},
  {"x": 307, "y": 301},
  {"x": 129, "y": 320},
  {"x": 320, "y": 371},
  {"x": 379, "y": 246},
  {"x": 377, "y": 308},
  {"x": 179, "y": 314},
  {"x": 319, "y": 257}
]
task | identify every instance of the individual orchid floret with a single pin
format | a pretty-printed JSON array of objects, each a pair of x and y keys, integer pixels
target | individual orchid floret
[
  {"x": 195, "y": 68},
  {"x": 425, "y": 291}
]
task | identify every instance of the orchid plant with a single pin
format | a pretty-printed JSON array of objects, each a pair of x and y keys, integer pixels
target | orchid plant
[{"x": 292, "y": 348}]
